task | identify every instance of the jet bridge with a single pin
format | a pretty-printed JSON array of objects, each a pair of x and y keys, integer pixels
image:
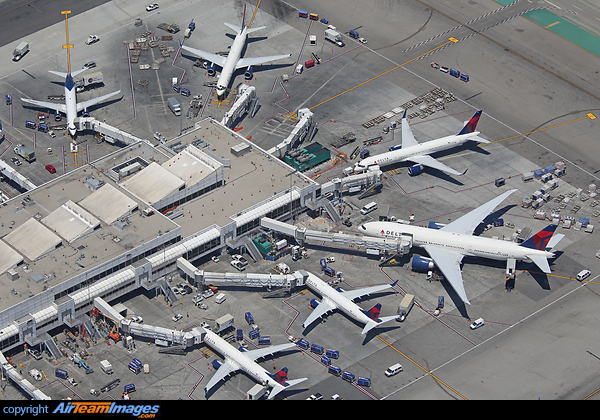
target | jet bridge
[
  {"x": 23, "y": 383},
  {"x": 400, "y": 245},
  {"x": 201, "y": 277},
  {"x": 111, "y": 134},
  {"x": 303, "y": 130},
  {"x": 247, "y": 102},
  {"x": 353, "y": 183}
]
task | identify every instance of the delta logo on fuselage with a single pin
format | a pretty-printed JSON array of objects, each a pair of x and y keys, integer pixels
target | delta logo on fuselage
[{"x": 390, "y": 233}]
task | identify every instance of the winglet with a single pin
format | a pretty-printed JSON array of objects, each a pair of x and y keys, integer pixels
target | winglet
[
  {"x": 394, "y": 283},
  {"x": 404, "y": 116},
  {"x": 464, "y": 172},
  {"x": 470, "y": 126}
]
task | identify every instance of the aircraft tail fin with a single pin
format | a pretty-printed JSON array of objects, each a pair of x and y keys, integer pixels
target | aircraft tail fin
[
  {"x": 282, "y": 382},
  {"x": 280, "y": 376},
  {"x": 541, "y": 239},
  {"x": 374, "y": 312},
  {"x": 470, "y": 125}
]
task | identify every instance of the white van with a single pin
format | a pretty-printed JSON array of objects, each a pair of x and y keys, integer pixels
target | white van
[
  {"x": 220, "y": 298},
  {"x": 312, "y": 39},
  {"x": 394, "y": 369},
  {"x": 369, "y": 208},
  {"x": 583, "y": 274},
  {"x": 299, "y": 68}
]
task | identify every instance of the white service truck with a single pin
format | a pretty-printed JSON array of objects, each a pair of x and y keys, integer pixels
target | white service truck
[
  {"x": 405, "y": 306},
  {"x": 221, "y": 324},
  {"x": 106, "y": 367},
  {"x": 20, "y": 51},
  {"x": 334, "y": 36}
]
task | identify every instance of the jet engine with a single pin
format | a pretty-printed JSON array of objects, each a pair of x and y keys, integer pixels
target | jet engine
[
  {"x": 415, "y": 170},
  {"x": 423, "y": 264},
  {"x": 248, "y": 73},
  {"x": 211, "y": 70},
  {"x": 314, "y": 303}
]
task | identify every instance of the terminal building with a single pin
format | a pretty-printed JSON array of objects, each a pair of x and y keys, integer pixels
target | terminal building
[{"x": 120, "y": 223}]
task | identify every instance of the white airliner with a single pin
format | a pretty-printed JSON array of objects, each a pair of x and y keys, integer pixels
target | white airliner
[
  {"x": 233, "y": 61},
  {"x": 448, "y": 245},
  {"x": 341, "y": 299},
  {"x": 70, "y": 108},
  {"x": 413, "y": 151},
  {"x": 245, "y": 360}
]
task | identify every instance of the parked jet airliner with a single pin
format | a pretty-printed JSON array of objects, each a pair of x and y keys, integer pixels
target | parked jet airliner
[
  {"x": 412, "y": 151},
  {"x": 233, "y": 61},
  {"x": 70, "y": 108},
  {"x": 245, "y": 360},
  {"x": 341, "y": 299},
  {"x": 448, "y": 245}
]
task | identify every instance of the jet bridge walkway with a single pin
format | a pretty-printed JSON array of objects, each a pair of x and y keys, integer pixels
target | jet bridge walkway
[
  {"x": 27, "y": 387},
  {"x": 399, "y": 246}
]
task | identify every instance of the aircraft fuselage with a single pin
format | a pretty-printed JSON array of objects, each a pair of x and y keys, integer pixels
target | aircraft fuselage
[
  {"x": 460, "y": 243},
  {"x": 233, "y": 57},
  {"x": 404, "y": 154}
]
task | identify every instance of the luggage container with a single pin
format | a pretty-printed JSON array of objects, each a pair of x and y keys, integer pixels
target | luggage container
[
  {"x": 326, "y": 360},
  {"x": 499, "y": 182},
  {"x": 455, "y": 73},
  {"x": 249, "y": 318},
  {"x": 353, "y": 34},
  {"x": 61, "y": 373},
  {"x": 254, "y": 334},
  {"x": 347, "y": 376},
  {"x": 303, "y": 344},
  {"x": 310, "y": 63},
  {"x": 129, "y": 388},
  {"x": 264, "y": 341},
  {"x": 334, "y": 370},
  {"x": 313, "y": 16},
  {"x": 464, "y": 77},
  {"x": 134, "y": 368},
  {"x": 527, "y": 176},
  {"x": 315, "y": 348},
  {"x": 302, "y": 13},
  {"x": 498, "y": 222},
  {"x": 334, "y": 354},
  {"x": 43, "y": 128},
  {"x": 329, "y": 271},
  {"x": 363, "y": 381},
  {"x": 239, "y": 335},
  {"x": 30, "y": 124}
]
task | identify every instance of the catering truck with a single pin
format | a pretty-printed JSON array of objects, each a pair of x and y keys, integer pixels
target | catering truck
[
  {"x": 20, "y": 51},
  {"x": 405, "y": 306},
  {"x": 334, "y": 36},
  {"x": 25, "y": 152}
]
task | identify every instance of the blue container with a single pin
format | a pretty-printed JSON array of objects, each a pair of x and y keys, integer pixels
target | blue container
[
  {"x": 129, "y": 388},
  {"x": 315, "y": 348},
  {"x": 254, "y": 334},
  {"x": 347, "y": 376},
  {"x": 61, "y": 373},
  {"x": 266, "y": 340},
  {"x": 363, "y": 381},
  {"x": 249, "y": 318},
  {"x": 303, "y": 344},
  {"x": 239, "y": 335},
  {"x": 326, "y": 360},
  {"x": 334, "y": 370},
  {"x": 334, "y": 354}
]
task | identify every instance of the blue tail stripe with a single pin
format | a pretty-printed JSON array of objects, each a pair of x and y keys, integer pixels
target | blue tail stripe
[{"x": 471, "y": 124}]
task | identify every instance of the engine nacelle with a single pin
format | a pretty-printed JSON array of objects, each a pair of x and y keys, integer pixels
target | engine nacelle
[
  {"x": 314, "y": 303},
  {"x": 339, "y": 289},
  {"x": 216, "y": 364},
  {"x": 435, "y": 225},
  {"x": 248, "y": 73},
  {"x": 211, "y": 70},
  {"x": 424, "y": 264},
  {"x": 415, "y": 170},
  {"x": 57, "y": 116}
]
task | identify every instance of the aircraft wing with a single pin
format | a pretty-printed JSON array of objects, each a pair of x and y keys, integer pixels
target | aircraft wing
[
  {"x": 358, "y": 293},
  {"x": 322, "y": 309},
  {"x": 255, "y": 61},
  {"x": 219, "y": 60},
  {"x": 408, "y": 139},
  {"x": 56, "y": 107},
  {"x": 449, "y": 264},
  {"x": 427, "y": 160},
  {"x": 258, "y": 353},
  {"x": 468, "y": 222},
  {"x": 88, "y": 103},
  {"x": 226, "y": 369}
]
